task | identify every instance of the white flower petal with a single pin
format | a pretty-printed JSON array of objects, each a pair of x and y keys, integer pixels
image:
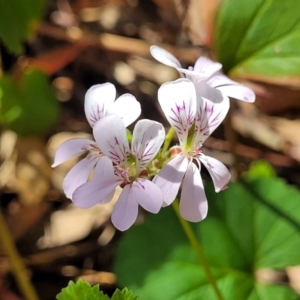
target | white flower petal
[
  {"x": 110, "y": 135},
  {"x": 164, "y": 57},
  {"x": 193, "y": 203},
  {"x": 178, "y": 101},
  {"x": 220, "y": 79},
  {"x": 190, "y": 74},
  {"x": 70, "y": 148},
  {"x": 205, "y": 67},
  {"x": 147, "y": 139},
  {"x": 239, "y": 92},
  {"x": 169, "y": 178},
  {"x": 128, "y": 108},
  {"x": 78, "y": 175},
  {"x": 98, "y": 190},
  {"x": 98, "y": 101},
  {"x": 212, "y": 108},
  {"x": 231, "y": 88},
  {"x": 147, "y": 194},
  {"x": 126, "y": 209},
  {"x": 218, "y": 172}
]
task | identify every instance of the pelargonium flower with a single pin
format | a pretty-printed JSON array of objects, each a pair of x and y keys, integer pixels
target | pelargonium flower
[
  {"x": 194, "y": 112},
  {"x": 99, "y": 102},
  {"x": 126, "y": 167},
  {"x": 205, "y": 70}
]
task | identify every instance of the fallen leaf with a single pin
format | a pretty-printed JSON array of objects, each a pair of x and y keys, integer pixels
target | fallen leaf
[
  {"x": 63, "y": 222},
  {"x": 33, "y": 171}
]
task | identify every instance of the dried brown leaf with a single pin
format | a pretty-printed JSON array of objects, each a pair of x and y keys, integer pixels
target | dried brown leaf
[
  {"x": 55, "y": 59},
  {"x": 33, "y": 171},
  {"x": 198, "y": 20},
  {"x": 271, "y": 98}
]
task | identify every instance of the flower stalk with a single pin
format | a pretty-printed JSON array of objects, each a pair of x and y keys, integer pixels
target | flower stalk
[
  {"x": 187, "y": 228},
  {"x": 16, "y": 262},
  {"x": 168, "y": 139}
]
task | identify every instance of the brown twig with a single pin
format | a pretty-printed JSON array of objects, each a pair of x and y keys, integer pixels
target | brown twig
[{"x": 113, "y": 42}]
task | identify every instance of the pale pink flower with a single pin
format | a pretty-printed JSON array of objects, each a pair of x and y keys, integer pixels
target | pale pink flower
[
  {"x": 207, "y": 71},
  {"x": 99, "y": 102},
  {"x": 128, "y": 170},
  {"x": 194, "y": 112}
]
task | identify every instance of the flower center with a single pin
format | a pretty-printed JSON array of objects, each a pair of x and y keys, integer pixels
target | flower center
[
  {"x": 130, "y": 173},
  {"x": 191, "y": 152}
]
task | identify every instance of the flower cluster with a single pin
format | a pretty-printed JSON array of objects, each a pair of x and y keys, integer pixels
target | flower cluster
[
  {"x": 207, "y": 71},
  {"x": 194, "y": 111},
  {"x": 194, "y": 105}
]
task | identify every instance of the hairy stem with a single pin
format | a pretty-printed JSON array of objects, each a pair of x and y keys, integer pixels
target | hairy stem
[
  {"x": 198, "y": 248},
  {"x": 168, "y": 140},
  {"x": 16, "y": 262}
]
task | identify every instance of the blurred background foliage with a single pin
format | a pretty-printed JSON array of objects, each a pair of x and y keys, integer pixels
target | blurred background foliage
[
  {"x": 19, "y": 20},
  {"x": 52, "y": 51}
]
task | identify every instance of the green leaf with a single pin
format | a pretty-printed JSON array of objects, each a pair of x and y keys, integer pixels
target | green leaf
[
  {"x": 125, "y": 294},
  {"x": 261, "y": 168},
  {"x": 257, "y": 221},
  {"x": 18, "y": 19},
  {"x": 259, "y": 39},
  {"x": 251, "y": 225},
  {"x": 28, "y": 107},
  {"x": 81, "y": 290}
]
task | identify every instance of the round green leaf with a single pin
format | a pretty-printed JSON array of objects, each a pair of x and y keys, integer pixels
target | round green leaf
[{"x": 251, "y": 225}]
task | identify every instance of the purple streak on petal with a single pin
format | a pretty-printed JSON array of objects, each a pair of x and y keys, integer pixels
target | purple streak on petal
[
  {"x": 141, "y": 185},
  {"x": 182, "y": 117},
  {"x": 110, "y": 134},
  {"x": 100, "y": 188},
  {"x": 147, "y": 139},
  {"x": 178, "y": 101},
  {"x": 96, "y": 114},
  {"x": 98, "y": 102},
  {"x": 212, "y": 107},
  {"x": 206, "y": 119},
  {"x": 118, "y": 153}
]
